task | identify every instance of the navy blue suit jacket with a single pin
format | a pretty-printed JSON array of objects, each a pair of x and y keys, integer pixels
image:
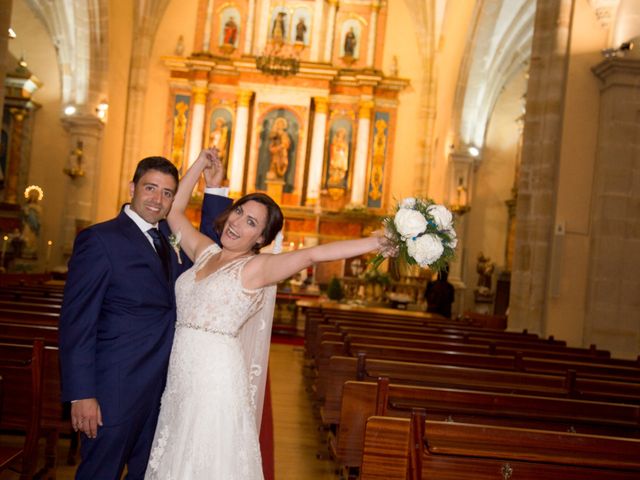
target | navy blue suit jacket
[{"x": 118, "y": 316}]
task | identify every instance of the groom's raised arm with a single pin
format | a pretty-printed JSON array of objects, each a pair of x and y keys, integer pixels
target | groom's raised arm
[{"x": 213, "y": 205}]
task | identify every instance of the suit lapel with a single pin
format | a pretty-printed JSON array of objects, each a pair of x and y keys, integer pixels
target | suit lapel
[{"x": 140, "y": 243}]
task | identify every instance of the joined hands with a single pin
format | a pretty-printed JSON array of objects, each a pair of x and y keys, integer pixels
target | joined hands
[{"x": 213, "y": 171}]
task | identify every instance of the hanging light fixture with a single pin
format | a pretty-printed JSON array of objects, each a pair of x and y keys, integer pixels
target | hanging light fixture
[{"x": 278, "y": 60}]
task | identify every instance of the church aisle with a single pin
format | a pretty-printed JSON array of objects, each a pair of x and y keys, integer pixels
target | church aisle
[{"x": 297, "y": 439}]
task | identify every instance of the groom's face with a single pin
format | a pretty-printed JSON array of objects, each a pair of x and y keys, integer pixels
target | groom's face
[{"x": 152, "y": 196}]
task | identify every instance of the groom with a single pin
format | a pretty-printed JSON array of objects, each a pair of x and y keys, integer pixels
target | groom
[{"x": 117, "y": 323}]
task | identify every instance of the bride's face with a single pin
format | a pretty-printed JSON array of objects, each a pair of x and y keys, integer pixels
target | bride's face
[{"x": 244, "y": 226}]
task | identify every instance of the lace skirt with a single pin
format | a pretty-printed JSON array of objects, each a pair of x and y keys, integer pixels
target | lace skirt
[{"x": 206, "y": 428}]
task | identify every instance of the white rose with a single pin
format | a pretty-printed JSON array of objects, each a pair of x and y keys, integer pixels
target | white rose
[
  {"x": 441, "y": 215},
  {"x": 425, "y": 249},
  {"x": 408, "y": 202},
  {"x": 410, "y": 223}
]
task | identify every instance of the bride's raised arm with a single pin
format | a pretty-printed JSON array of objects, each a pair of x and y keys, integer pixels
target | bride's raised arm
[
  {"x": 191, "y": 240},
  {"x": 269, "y": 269}
]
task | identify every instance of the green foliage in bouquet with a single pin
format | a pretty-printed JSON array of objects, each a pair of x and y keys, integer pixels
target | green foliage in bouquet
[{"x": 334, "y": 289}]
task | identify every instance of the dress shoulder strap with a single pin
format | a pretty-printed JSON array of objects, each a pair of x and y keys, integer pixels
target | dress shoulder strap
[{"x": 205, "y": 255}]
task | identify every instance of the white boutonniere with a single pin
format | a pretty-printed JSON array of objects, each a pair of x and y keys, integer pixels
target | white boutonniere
[{"x": 174, "y": 241}]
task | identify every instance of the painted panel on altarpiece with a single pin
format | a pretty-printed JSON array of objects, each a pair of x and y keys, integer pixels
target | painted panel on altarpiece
[
  {"x": 220, "y": 133},
  {"x": 379, "y": 154},
  {"x": 339, "y": 155},
  {"x": 179, "y": 132},
  {"x": 277, "y": 151}
]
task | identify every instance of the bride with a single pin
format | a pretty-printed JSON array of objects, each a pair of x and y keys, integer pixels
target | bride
[{"x": 211, "y": 406}]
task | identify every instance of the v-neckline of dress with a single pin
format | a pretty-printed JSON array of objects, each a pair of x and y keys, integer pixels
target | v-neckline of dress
[{"x": 223, "y": 267}]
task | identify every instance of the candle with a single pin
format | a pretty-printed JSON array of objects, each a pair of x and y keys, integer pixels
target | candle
[
  {"x": 49, "y": 244},
  {"x": 5, "y": 239}
]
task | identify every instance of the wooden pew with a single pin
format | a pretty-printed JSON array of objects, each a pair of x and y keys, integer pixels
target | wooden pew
[
  {"x": 361, "y": 400},
  {"x": 21, "y": 370},
  {"x": 55, "y": 414},
  {"x": 529, "y": 362},
  {"x": 46, "y": 307},
  {"x": 446, "y": 451},
  {"x": 568, "y": 385}
]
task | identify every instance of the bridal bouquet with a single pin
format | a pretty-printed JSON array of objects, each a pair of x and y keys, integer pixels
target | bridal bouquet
[{"x": 422, "y": 233}]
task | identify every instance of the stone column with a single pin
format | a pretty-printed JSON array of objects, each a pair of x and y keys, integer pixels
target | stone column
[
  {"x": 241, "y": 128},
  {"x": 373, "y": 32},
  {"x": 612, "y": 314},
  {"x": 317, "y": 151},
  {"x": 85, "y": 130},
  {"x": 330, "y": 33},
  {"x": 539, "y": 167},
  {"x": 358, "y": 186},
  {"x": 5, "y": 23},
  {"x": 248, "y": 38},
  {"x": 196, "y": 129}
]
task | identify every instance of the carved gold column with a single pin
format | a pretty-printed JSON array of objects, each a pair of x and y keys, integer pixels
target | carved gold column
[
  {"x": 317, "y": 151},
  {"x": 236, "y": 178},
  {"x": 358, "y": 186},
  {"x": 15, "y": 155},
  {"x": 373, "y": 32},
  {"x": 331, "y": 24},
  {"x": 248, "y": 39}
]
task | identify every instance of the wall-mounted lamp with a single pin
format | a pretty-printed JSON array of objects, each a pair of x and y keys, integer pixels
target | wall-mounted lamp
[
  {"x": 12, "y": 33},
  {"x": 69, "y": 110},
  {"x": 101, "y": 110},
  {"x": 617, "y": 52}
]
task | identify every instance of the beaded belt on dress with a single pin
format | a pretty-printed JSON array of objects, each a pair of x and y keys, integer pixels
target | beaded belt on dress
[{"x": 205, "y": 329}]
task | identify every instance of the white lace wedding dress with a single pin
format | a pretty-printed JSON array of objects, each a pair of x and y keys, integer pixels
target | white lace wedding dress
[{"x": 211, "y": 407}]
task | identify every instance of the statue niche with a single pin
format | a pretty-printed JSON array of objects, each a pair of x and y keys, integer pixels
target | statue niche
[
  {"x": 277, "y": 149},
  {"x": 229, "y": 30}
]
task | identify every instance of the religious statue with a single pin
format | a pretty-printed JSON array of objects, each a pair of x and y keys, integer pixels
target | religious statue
[
  {"x": 301, "y": 29},
  {"x": 350, "y": 43},
  {"x": 31, "y": 213},
  {"x": 485, "y": 269},
  {"x": 219, "y": 138},
  {"x": 279, "y": 143},
  {"x": 278, "y": 30},
  {"x": 179, "y": 50},
  {"x": 338, "y": 158},
  {"x": 230, "y": 32}
]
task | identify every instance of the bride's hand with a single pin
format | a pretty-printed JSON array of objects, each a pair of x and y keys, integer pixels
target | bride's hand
[
  {"x": 386, "y": 246},
  {"x": 213, "y": 172}
]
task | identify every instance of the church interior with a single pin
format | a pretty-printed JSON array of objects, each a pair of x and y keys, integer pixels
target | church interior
[{"x": 522, "y": 117}]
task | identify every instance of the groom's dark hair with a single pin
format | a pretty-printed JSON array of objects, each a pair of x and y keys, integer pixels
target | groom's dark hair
[
  {"x": 160, "y": 164},
  {"x": 274, "y": 223}
]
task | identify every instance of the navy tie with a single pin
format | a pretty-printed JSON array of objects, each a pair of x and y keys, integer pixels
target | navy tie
[{"x": 162, "y": 248}]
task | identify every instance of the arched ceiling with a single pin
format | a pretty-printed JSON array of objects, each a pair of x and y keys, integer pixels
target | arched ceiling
[{"x": 498, "y": 47}]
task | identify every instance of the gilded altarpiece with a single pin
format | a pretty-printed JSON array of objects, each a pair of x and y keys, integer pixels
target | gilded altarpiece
[{"x": 300, "y": 134}]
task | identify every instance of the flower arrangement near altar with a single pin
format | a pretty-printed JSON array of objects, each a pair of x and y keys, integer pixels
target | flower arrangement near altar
[{"x": 422, "y": 232}]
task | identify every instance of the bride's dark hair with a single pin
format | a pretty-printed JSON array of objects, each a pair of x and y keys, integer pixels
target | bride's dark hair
[{"x": 274, "y": 223}]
